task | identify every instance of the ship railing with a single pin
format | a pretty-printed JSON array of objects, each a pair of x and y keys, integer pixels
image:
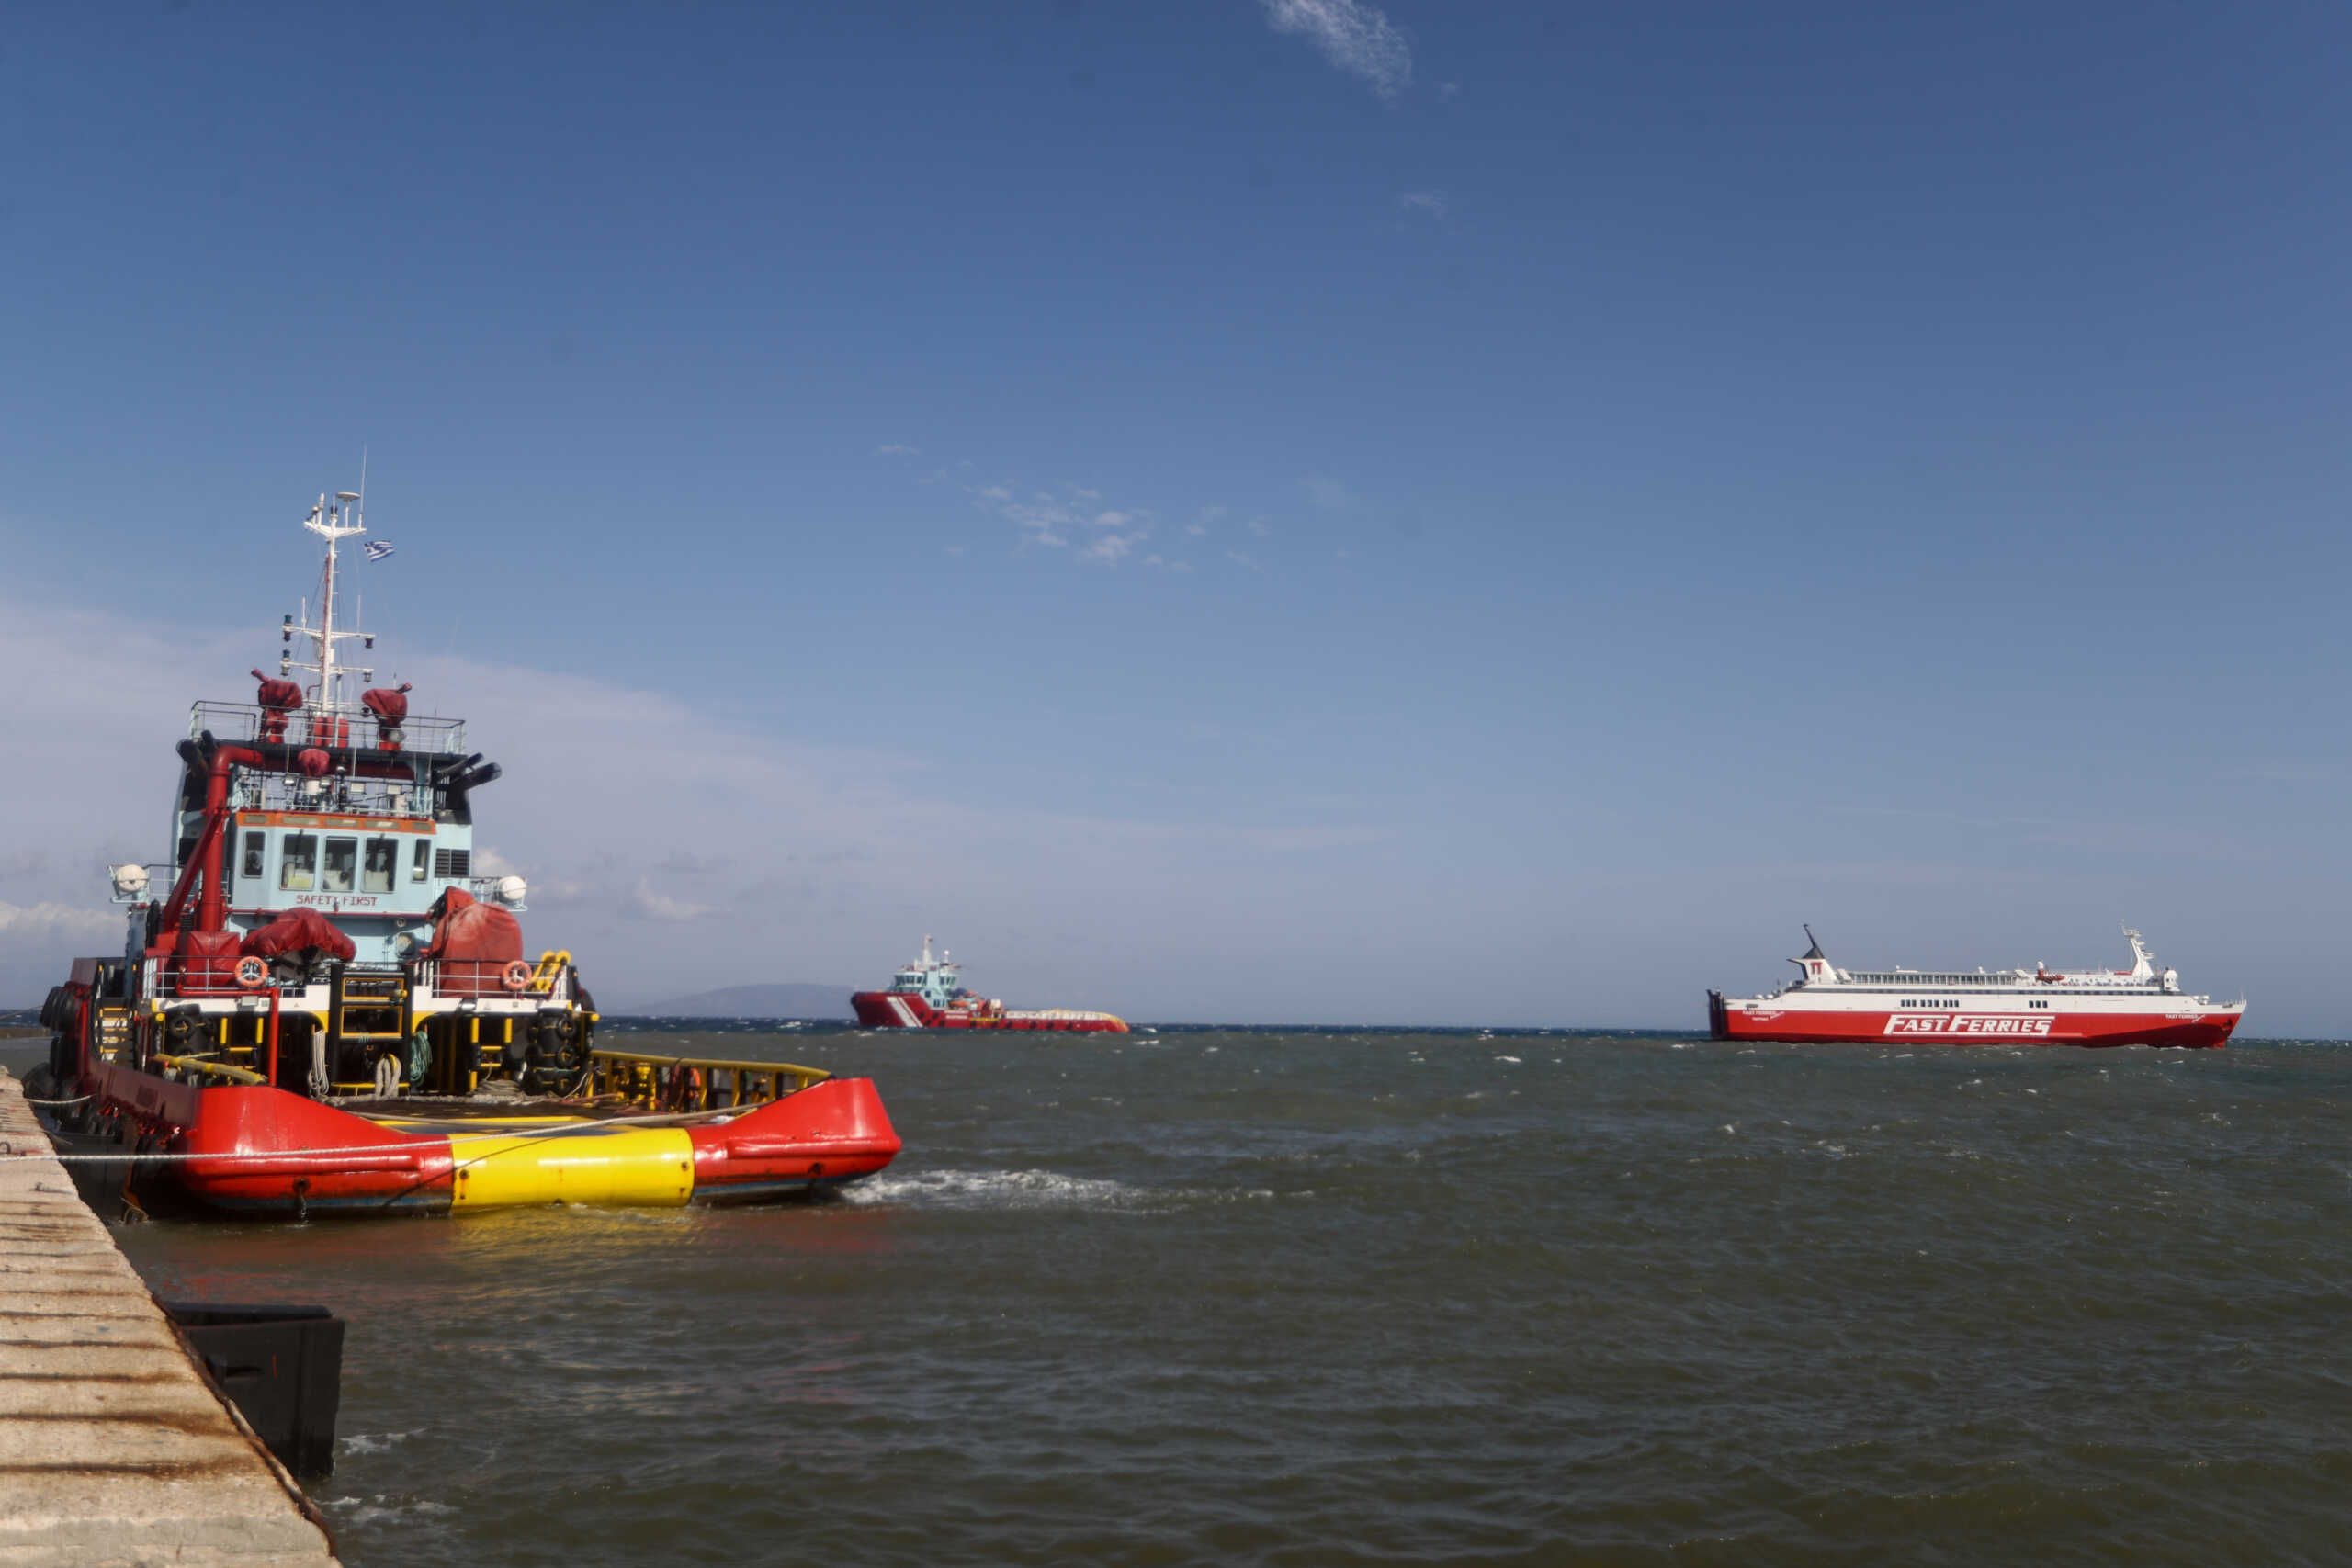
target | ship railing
[
  {"x": 341, "y": 794},
  {"x": 694, "y": 1083},
  {"x": 189, "y": 978},
  {"x": 546, "y": 982},
  {"x": 174, "y": 977},
  {"x": 345, "y": 728}
]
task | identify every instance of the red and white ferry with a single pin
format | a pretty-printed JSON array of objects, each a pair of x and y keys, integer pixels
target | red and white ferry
[{"x": 2140, "y": 1005}]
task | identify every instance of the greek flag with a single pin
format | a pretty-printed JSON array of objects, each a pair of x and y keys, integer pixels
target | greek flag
[{"x": 377, "y": 549}]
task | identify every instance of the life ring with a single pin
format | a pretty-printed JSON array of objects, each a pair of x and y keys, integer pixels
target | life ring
[
  {"x": 252, "y": 972},
  {"x": 516, "y": 976}
]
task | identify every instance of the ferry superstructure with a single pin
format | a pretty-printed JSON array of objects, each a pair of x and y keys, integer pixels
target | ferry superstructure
[
  {"x": 929, "y": 993},
  {"x": 2140, "y": 1005},
  {"x": 321, "y": 1006}
]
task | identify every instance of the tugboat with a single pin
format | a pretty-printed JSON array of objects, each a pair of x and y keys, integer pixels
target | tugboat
[
  {"x": 929, "y": 994},
  {"x": 318, "y": 1007},
  {"x": 2140, "y": 1005}
]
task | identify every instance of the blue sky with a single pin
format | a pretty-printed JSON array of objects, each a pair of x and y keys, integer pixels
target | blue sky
[{"x": 1291, "y": 510}]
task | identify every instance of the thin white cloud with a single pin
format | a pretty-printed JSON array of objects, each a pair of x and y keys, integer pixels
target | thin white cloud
[
  {"x": 488, "y": 861},
  {"x": 1260, "y": 527},
  {"x": 1354, "y": 37},
  {"x": 1040, "y": 518},
  {"x": 1050, "y": 520},
  {"x": 645, "y": 902},
  {"x": 897, "y": 449},
  {"x": 1429, "y": 202},
  {"x": 48, "y": 920}
]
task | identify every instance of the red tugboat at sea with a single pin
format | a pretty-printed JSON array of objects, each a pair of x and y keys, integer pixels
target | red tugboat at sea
[
  {"x": 328, "y": 1012},
  {"x": 2140, "y": 1005},
  {"x": 929, "y": 994}
]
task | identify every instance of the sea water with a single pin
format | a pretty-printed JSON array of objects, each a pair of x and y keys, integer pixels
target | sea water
[{"x": 1308, "y": 1297}]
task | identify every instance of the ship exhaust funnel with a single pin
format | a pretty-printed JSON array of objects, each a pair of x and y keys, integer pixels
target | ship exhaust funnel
[{"x": 1815, "y": 963}]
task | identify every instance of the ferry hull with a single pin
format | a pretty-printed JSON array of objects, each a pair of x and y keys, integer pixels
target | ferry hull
[
  {"x": 901, "y": 1010},
  {"x": 2204, "y": 1029},
  {"x": 266, "y": 1151}
]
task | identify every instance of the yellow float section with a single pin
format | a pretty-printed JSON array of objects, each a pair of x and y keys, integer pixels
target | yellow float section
[{"x": 641, "y": 1167}]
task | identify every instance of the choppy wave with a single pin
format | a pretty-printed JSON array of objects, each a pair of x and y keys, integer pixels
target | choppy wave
[
  {"x": 383, "y": 1507},
  {"x": 997, "y": 1190}
]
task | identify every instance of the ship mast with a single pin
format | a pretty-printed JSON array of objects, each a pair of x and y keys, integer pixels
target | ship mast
[{"x": 333, "y": 522}]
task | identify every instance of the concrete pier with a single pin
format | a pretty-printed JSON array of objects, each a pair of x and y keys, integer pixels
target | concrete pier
[{"x": 115, "y": 1450}]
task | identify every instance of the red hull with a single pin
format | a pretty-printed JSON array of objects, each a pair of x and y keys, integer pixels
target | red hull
[
  {"x": 1841, "y": 1028},
  {"x": 903, "y": 1010}
]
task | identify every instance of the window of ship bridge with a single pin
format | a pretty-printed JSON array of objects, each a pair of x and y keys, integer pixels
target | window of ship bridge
[
  {"x": 249, "y": 863},
  {"x": 297, "y": 862},
  {"x": 343, "y": 861},
  {"x": 376, "y": 873},
  {"x": 421, "y": 861}
]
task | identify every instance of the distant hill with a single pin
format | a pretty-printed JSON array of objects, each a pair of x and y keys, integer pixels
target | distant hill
[{"x": 756, "y": 1001}]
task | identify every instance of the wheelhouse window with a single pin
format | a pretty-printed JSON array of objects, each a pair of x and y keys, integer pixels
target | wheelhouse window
[
  {"x": 419, "y": 860},
  {"x": 249, "y": 862},
  {"x": 376, "y": 870},
  {"x": 297, "y": 862},
  {"x": 343, "y": 863}
]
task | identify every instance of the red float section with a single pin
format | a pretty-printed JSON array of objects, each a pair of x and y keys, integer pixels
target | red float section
[
  {"x": 313, "y": 1157},
  {"x": 833, "y": 1131},
  {"x": 273, "y": 1152}
]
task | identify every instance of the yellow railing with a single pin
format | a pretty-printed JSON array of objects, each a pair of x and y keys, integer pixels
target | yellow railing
[
  {"x": 694, "y": 1083},
  {"x": 667, "y": 1083}
]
